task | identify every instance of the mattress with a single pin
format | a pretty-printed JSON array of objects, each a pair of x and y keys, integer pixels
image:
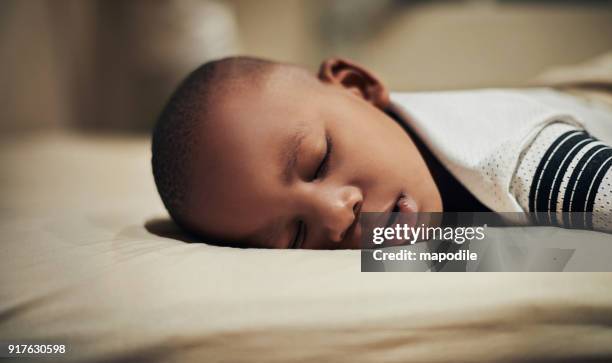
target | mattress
[{"x": 88, "y": 258}]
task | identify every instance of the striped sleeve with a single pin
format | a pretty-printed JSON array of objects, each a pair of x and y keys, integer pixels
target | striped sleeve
[{"x": 566, "y": 170}]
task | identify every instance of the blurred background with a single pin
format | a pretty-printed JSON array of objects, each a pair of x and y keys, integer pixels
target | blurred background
[{"x": 108, "y": 66}]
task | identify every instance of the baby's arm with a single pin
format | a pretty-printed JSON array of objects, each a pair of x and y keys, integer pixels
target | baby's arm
[{"x": 566, "y": 170}]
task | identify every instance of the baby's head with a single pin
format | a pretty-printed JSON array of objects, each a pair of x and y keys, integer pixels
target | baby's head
[{"x": 254, "y": 153}]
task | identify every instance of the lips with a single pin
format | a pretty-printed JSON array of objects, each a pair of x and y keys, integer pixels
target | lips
[
  {"x": 406, "y": 204},
  {"x": 403, "y": 204},
  {"x": 401, "y": 211}
]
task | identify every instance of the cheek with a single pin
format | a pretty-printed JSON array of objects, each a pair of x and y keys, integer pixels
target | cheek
[
  {"x": 376, "y": 154},
  {"x": 372, "y": 146}
]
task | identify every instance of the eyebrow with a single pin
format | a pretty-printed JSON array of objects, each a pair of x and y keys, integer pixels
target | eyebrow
[{"x": 290, "y": 152}]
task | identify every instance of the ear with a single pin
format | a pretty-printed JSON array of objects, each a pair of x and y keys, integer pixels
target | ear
[{"x": 356, "y": 79}]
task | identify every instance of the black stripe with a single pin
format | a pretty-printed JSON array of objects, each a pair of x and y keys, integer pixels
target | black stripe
[
  {"x": 572, "y": 182},
  {"x": 554, "y": 195},
  {"x": 598, "y": 179},
  {"x": 536, "y": 177},
  {"x": 552, "y": 167},
  {"x": 596, "y": 183},
  {"x": 574, "y": 177},
  {"x": 584, "y": 183}
]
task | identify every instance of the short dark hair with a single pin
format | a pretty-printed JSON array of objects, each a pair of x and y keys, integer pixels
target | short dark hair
[{"x": 176, "y": 131}]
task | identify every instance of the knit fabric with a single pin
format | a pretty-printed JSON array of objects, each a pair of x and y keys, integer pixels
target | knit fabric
[{"x": 566, "y": 170}]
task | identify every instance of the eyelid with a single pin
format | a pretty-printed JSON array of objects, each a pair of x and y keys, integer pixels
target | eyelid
[{"x": 324, "y": 164}]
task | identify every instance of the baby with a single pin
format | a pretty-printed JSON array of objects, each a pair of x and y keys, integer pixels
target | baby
[{"x": 257, "y": 153}]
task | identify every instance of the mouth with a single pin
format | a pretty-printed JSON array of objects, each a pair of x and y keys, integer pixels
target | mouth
[{"x": 403, "y": 204}]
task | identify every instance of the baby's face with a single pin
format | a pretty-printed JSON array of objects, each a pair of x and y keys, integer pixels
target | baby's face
[{"x": 292, "y": 164}]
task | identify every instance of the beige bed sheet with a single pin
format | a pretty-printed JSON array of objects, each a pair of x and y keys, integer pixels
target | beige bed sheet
[{"x": 79, "y": 265}]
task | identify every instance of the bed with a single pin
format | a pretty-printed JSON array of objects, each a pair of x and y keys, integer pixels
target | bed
[{"x": 89, "y": 259}]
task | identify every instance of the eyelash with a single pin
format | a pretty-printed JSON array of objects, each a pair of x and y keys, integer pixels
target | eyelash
[
  {"x": 324, "y": 165},
  {"x": 300, "y": 236}
]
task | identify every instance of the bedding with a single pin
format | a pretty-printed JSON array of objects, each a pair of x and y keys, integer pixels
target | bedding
[{"x": 89, "y": 259}]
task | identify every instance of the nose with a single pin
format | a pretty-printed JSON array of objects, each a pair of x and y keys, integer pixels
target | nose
[{"x": 336, "y": 209}]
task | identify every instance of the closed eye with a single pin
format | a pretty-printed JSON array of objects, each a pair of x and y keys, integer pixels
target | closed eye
[
  {"x": 323, "y": 167},
  {"x": 300, "y": 236}
]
